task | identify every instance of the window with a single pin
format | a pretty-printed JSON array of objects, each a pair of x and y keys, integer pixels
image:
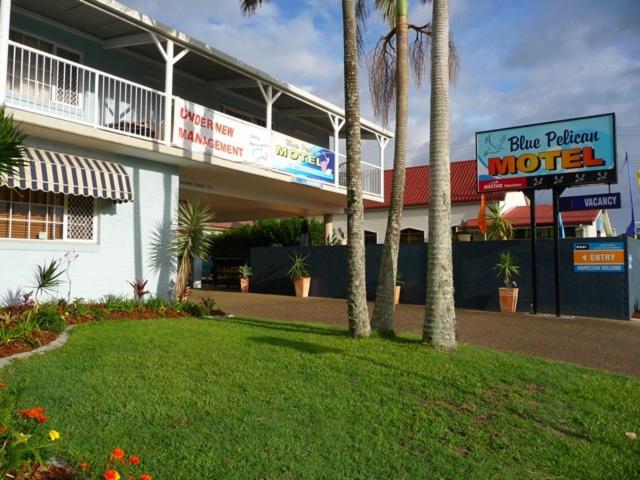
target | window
[
  {"x": 370, "y": 237},
  {"x": 41, "y": 76},
  {"x": 31, "y": 215},
  {"x": 411, "y": 235}
]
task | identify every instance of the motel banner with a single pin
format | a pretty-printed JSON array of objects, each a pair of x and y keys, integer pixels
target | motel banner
[
  {"x": 562, "y": 153},
  {"x": 200, "y": 129}
]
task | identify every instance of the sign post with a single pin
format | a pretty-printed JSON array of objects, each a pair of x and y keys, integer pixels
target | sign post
[{"x": 551, "y": 155}]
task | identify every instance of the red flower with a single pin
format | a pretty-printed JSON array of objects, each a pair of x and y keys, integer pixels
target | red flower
[
  {"x": 111, "y": 475},
  {"x": 84, "y": 466},
  {"x": 134, "y": 460},
  {"x": 146, "y": 476},
  {"x": 118, "y": 454},
  {"x": 2, "y": 385},
  {"x": 36, "y": 414}
]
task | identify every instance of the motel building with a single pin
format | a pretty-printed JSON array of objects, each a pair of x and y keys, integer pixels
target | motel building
[
  {"x": 127, "y": 117},
  {"x": 465, "y": 206}
]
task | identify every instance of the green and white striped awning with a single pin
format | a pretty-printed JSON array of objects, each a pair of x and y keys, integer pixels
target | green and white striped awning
[{"x": 56, "y": 172}]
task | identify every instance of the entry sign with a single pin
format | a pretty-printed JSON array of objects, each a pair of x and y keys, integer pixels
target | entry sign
[
  {"x": 598, "y": 257},
  {"x": 598, "y": 201}
]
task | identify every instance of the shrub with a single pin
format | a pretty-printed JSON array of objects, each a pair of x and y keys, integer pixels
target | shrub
[
  {"x": 22, "y": 328},
  {"x": 156, "y": 304},
  {"x": 139, "y": 287},
  {"x": 116, "y": 303},
  {"x": 48, "y": 318},
  {"x": 209, "y": 306},
  {"x": 189, "y": 307},
  {"x": 78, "y": 308}
]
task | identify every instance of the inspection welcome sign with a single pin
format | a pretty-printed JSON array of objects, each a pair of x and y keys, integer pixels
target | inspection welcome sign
[{"x": 562, "y": 153}]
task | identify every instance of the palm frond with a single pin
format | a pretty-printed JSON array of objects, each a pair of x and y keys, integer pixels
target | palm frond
[
  {"x": 46, "y": 278},
  {"x": 249, "y": 7},
  {"x": 11, "y": 145}
]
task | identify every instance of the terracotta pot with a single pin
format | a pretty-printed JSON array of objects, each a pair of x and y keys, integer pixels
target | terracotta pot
[
  {"x": 508, "y": 299},
  {"x": 302, "y": 286},
  {"x": 464, "y": 237},
  {"x": 244, "y": 284},
  {"x": 396, "y": 294}
]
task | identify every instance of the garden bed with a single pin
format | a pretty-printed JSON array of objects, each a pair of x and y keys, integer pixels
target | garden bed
[{"x": 27, "y": 326}]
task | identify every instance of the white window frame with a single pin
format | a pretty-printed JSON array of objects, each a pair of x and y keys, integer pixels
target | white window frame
[
  {"x": 65, "y": 223},
  {"x": 56, "y": 46}
]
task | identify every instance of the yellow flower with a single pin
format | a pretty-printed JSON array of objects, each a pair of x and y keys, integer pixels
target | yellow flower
[{"x": 54, "y": 435}]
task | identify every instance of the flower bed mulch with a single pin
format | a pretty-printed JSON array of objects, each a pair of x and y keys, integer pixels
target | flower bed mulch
[{"x": 42, "y": 337}]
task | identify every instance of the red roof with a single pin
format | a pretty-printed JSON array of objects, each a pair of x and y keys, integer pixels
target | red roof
[
  {"x": 417, "y": 189},
  {"x": 519, "y": 217}
]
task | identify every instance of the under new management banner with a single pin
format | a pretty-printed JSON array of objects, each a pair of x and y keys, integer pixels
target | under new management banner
[
  {"x": 200, "y": 129},
  {"x": 563, "y": 153}
]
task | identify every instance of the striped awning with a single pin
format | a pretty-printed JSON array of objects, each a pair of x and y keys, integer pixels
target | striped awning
[{"x": 56, "y": 172}]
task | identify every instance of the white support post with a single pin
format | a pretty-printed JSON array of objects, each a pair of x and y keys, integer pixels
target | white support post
[
  {"x": 5, "y": 21},
  {"x": 382, "y": 143},
  {"x": 170, "y": 59},
  {"x": 269, "y": 98},
  {"x": 337, "y": 123}
]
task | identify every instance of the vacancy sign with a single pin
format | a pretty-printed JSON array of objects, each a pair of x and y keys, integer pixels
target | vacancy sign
[
  {"x": 598, "y": 201},
  {"x": 200, "y": 129},
  {"x": 598, "y": 257}
]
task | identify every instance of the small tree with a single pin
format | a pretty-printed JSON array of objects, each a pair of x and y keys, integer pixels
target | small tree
[{"x": 190, "y": 239}]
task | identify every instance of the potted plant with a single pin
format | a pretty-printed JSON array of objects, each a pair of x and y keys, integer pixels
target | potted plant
[
  {"x": 245, "y": 272},
  {"x": 463, "y": 234},
  {"x": 507, "y": 268},
  {"x": 299, "y": 273},
  {"x": 396, "y": 290}
]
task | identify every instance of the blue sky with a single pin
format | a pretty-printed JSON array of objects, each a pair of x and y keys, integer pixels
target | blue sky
[{"x": 522, "y": 61}]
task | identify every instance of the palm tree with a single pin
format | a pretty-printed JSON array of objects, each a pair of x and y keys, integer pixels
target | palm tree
[
  {"x": 356, "y": 282},
  {"x": 389, "y": 80},
  {"x": 357, "y": 310},
  {"x": 440, "y": 316},
  {"x": 499, "y": 227},
  {"x": 11, "y": 145},
  {"x": 191, "y": 238}
]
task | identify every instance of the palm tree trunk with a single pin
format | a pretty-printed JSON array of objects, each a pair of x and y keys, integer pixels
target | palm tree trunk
[
  {"x": 356, "y": 282},
  {"x": 182, "y": 278},
  {"x": 440, "y": 317},
  {"x": 383, "y": 313}
]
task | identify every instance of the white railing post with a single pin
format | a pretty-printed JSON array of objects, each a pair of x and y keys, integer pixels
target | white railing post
[
  {"x": 170, "y": 60},
  {"x": 337, "y": 123},
  {"x": 382, "y": 143},
  {"x": 269, "y": 98},
  {"x": 96, "y": 100},
  {"x": 5, "y": 22}
]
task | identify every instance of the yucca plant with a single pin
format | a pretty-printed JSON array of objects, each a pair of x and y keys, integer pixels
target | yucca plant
[
  {"x": 191, "y": 238},
  {"x": 299, "y": 268},
  {"x": 11, "y": 145},
  {"x": 46, "y": 278},
  {"x": 507, "y": 267},
  {"x": 245, "y": 271},
  {"x": 499, "y": 227}
]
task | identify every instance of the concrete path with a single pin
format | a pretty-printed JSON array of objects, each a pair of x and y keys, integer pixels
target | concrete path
[{"x": 612, "y": 345}]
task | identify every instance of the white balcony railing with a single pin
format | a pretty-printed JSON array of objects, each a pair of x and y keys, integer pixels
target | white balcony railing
[
  {"x": 47, "y": 84},
  {"x": 40, "y": 82},
  {"x": 371, "y": 176}
]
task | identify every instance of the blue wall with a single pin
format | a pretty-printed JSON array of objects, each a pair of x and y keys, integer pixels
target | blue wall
[{"x": 608, "y": 295}]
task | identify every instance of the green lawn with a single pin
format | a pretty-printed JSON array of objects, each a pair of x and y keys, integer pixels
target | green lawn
[{"x": 239, "y": 398}]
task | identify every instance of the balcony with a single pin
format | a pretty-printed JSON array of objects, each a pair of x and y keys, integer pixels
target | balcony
[{"x": 51, "y": 85}]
